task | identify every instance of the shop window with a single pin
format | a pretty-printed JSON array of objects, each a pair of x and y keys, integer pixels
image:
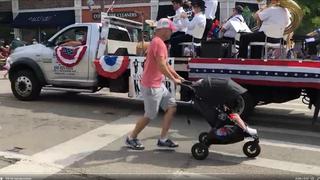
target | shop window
[
  {"x": 118, "y": 34},
  {"x": 28, "y": 35}
]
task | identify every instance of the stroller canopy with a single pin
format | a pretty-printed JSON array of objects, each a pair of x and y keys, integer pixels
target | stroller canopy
[{"x": 216, "y": 91}]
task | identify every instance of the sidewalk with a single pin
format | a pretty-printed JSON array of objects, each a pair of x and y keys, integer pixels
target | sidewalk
[{"x": 2, "y": 73}]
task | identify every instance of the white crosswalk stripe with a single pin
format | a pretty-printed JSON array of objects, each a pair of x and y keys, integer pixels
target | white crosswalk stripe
[
  {"x": 272, "y": 164},
  {"x": 54, "y": 159}
]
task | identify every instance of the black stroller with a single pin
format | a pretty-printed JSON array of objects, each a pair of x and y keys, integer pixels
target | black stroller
[{"x": 210, "y": 97}]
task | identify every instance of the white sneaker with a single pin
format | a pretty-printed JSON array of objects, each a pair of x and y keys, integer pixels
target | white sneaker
[{"x": 251, "y": 131}]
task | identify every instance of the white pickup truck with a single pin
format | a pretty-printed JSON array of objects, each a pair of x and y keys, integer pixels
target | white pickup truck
[
  {"x": 81, "y": 69},
  {"x": 53, "y": 66}
]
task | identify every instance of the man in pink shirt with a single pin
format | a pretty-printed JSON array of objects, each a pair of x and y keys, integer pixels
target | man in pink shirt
[{"x": 154, "y": 92}]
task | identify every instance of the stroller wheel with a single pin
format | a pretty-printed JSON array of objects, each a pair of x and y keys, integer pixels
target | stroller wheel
[
  {"x": 203, "y": 138},
  {"x": 200, "y": 151},
  {"x": 251, "y": 149}
]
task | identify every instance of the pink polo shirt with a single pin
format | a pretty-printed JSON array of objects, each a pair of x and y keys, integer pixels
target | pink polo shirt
[{"x": 152, "y": 77}]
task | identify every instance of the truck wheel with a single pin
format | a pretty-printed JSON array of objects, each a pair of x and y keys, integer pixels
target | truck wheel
[
  {"x": 246, "y": 105},
  {"x": 25, "y": 86}
]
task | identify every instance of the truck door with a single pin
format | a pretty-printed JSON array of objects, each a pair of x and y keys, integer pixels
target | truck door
[{"x": 66, "y": 61}]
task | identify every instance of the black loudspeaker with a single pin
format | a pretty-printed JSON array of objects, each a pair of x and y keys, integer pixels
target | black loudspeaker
[{"x": 217, "y": 48}]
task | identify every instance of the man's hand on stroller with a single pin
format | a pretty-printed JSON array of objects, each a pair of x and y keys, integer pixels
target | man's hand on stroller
[
  {"x": 181, "y": 78},
  {"x": 177, "y": 81}
]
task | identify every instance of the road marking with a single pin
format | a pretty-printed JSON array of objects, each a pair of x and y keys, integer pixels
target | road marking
[
  {"x": 285, "y": 108},
  {"x": 283, "y": 144},
  {"x": 187, "y": 175},
  {"x": 269, "y": 163},
  {"x": 303, "y": 147},
  {"x": 55, "y": 159},
  {"x": 287, "y": 131},
  {"x": 290, "y": 103},
  {"x": 13, "y": 155}
]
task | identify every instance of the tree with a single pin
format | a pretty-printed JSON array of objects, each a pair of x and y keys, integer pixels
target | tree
[{"x": 311, "y": 19}]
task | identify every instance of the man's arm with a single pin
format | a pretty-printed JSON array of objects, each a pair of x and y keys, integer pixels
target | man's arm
[
  {"x": 162, "y": 65},
  {"x": 71, "y": 43},
  {"x": 226, "y": 26},
  {"x": 174, "y": 73},
  {"x": 262, "y": 15}
]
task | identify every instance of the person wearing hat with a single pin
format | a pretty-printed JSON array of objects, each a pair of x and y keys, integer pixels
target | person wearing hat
[
  {"x": 273, "y": 18},
  {"x": 154, "y": 92},
  {"x": 227, "y": 29},
  {"x": 195, "y": 28}
]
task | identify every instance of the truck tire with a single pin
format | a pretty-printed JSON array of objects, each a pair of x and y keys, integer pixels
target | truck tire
[
  {"x": 246, "y": 105},
  {"x": 25, "y": 86}
]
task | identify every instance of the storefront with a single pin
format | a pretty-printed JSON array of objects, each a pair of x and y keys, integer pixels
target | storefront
[
  {"x": 42, "y": 25},
  {"x": 135, "y": 14},
  {"x": 6, "y": 31}
]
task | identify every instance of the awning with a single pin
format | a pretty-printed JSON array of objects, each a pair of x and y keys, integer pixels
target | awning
[
  {"x": 44, "y": 19},
  {"x": 6, "y": 17}
]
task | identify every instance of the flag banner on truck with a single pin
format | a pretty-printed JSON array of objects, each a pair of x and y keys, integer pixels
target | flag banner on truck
[
  {"x": 70, "y": 56},
  {"x": 111, "y": 66},
  {"x": 283, "y": 73},
  {"x": 136, "y": 71}
]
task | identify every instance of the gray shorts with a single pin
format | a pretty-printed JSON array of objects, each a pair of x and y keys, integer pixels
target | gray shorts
[{"x": 154, "y": 98}]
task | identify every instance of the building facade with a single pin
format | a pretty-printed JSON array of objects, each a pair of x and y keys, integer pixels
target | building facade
[
  {"x": 32, "y": 19},
  {"x": 6, "y": 19}
]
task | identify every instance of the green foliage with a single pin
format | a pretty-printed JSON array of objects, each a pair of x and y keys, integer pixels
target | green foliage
[{"x": 311, "y": 19}]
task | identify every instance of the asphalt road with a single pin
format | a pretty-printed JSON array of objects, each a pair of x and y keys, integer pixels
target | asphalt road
[{"x": 82, "y": 136}]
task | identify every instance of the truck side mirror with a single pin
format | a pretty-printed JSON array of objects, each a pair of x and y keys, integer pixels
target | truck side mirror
[{"x": 50, "y": 44}]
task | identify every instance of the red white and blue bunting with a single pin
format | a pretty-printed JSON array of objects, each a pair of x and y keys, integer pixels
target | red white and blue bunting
[
  {"x": 111, "y": 66},
  {"x": 70, "y": 56},
  {"x": 258, "y": 72}
]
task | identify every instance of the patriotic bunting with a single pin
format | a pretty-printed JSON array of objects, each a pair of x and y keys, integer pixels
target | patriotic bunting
[
  {"x": 258, "y": 72},
  {"x": 70, "y": 56},
  {"x": 111, "y": 66}
]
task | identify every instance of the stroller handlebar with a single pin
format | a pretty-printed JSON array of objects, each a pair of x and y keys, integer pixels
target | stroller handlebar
[{"x": 187, "y": 84}]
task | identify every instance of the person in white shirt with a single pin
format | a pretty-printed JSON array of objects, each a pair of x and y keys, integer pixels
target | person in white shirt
[
  {"x": 177, "y": 20},
  {"x": 227, "y": 29},
  {"x": 210, "y": 12},
  {"x": 273, "y": 17},
  {"x": 195, "y": 28}
]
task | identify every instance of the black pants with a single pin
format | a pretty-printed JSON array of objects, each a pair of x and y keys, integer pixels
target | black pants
[
  {"x": 176, "y": 49},
  {"x": 246, "y": 39},
  {"x": 229, "y": 39},
  {"x": 178, "y": 33},
  {"x": 209, "y": 23},
  {"x": 175, "y": 34}
]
